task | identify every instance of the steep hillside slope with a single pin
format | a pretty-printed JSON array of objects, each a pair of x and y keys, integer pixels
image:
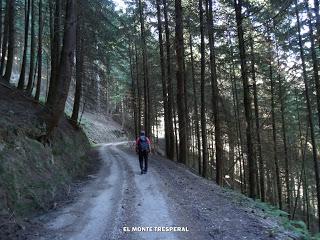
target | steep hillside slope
[{"x": 34, "y": 176}]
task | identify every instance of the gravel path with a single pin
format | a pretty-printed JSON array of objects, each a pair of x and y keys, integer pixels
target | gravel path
[
  {"x": 169, "y": 195},
  {"x": 118, "y": 199}
]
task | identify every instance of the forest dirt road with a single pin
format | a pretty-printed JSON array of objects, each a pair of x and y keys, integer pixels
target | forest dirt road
[{"x": 169, "y": 195}]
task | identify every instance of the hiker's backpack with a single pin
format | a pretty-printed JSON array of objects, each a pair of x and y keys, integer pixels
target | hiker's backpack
[{"x": 143, "y": 144}]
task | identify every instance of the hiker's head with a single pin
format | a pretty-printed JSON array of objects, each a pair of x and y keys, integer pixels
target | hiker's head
[{"x": 142, "y": 133}]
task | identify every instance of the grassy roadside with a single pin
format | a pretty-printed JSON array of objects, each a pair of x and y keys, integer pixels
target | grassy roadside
[
  {"x": 299, "y": 228},
  {"x": 270, "y": 213}
]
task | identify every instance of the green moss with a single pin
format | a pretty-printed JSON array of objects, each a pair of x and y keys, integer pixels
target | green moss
[
  {"x": 298, "y": 227},
  {"x": 33, "y": 175}
]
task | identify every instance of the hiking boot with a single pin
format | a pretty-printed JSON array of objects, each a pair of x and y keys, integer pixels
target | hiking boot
[
  {"x": 142, "y": 172},
  {"x": 145, "y": 171}
]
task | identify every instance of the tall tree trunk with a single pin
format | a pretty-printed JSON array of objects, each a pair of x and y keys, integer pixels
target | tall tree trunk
[
  {"x": 257, "y": 121},
  {"x": 303, "y": 180},
  {"x": 32, "y": 48},
  {"x": 202, "y": 96},
  {"x": 246, "y": 98},
  {"x": 306, "y": 197},
  {"x": 183, "y": 142},
  {"x": 38, "y": 89},
  {"x": 133, "y": 88},
  {"x": 65, "y": 67},
  {"x": 231, "y": 154},
  {"x": 284, "y": 134},
  {"x": 79, "y": 69},
  {"x": 195, "y": 106},
  {"x": 175, "y": 121},
  {"x": 309, "y": 108},
  {"x": 163, "y": 80},
  {"x": 215, "y": 96},
  {"x": 238, "y": 119},
  {"x": 316, "y": 12},
  {"x": 55, "y": 54},
  {"x": 274, "y": 127},
  {"x": 11, "y": 39},
  {"x": 169, "y": 83},
  {"x": 5, "y": 38},
  {"x": 51, "y": 23},
  {"x": 1, "y": 27},
  {"x": 147, "y": 117},
  {"x": 24, "y": 57},
  {"x": 315, "y": 62},
  {"x": 138, "y": 87}
]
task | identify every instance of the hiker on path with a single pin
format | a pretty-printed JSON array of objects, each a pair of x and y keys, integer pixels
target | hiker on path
[{"x": 143, "y": 150}]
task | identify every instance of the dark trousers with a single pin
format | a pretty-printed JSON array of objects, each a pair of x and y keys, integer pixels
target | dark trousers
[{"x": 143, "y": 156}]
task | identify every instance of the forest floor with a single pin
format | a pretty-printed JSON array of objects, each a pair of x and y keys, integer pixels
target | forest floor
[{"x": 118, "y": 196}]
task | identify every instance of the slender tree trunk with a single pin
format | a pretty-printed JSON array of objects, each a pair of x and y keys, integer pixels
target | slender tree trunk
[
  {"x": 1, "y": 28},
  {"x": 147, "y": 117},
  {"x": 5, "y": 38},
  {"x": 175, "y": 121},
  {"x": 193, "y": 141},
  {"x": 247, "y": 98},
  {"x": 186, "y": 97},
  {"x": 51, "y": 23},
  {"x": 315, "y": 62},
  {"x": 24, "y": 57},
  {"x": 303, "y": 150},
  {"x": 238, "y": 121},
  {"x": 169, "y": 83},
  {"x": 183, "y": 142},
  {"x": 202, "y": 96},
  {"x": 215, "y": 96},
  {"x": 316, "y": 12},
  {"x": 257, "y": 121},
  {"x": 163, "y": 80},
  {"x": 235, "y": 115},
  {"x": 195, "y": 106},
  {"x": 32, "y": 48},
  {"x": 38, "y": 89},
  {"x": 232, "y": 162},
  {"x": 138, "y": 88},
  {"x": 133, "y": 89},
  {"x": 274, "y": 127},
  {"x": 79, "y": 69},
  {"x": 65, "y": 68},
  {"x": 306, "y": 193},
  {"x": 47, "y": 77},
  {"x": 11, "y": 39},
  {"x": 284, "y": 134},
  {"x": 309, "y": 108}
]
